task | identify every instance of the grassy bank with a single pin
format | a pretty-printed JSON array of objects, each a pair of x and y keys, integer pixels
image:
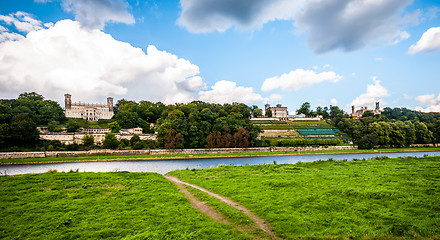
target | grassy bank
[
  {"x": 101, "y": 205},
  {"x": 207, "y": 155},
  {"x": 383, "y": 198}
]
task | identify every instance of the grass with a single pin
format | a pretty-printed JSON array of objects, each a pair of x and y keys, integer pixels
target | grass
[
  {"x": 204, "y": 155},
  {"x": 233, "y": 215},
  {"x": 310, "y": 124},
  {"x": 370, "y": 199},
  {"x": 101, "y": 205}
]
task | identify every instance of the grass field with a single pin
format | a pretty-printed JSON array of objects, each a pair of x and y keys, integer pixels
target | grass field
[
  {"x": 205, "y": 155},
  {"x": 117, "y": 205},
  {"x": 370, "y": 199}
]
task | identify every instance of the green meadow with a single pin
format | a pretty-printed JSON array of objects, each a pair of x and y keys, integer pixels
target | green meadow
[
  {"x": 116, "y": 205},
  {"x": 368, "y": 199}
]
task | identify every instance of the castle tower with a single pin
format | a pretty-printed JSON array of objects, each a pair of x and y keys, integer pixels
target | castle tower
[
  {"x": 377, "y": 106},
  {"x": 67, "y": 101},
  {"x": 110, "y": 104},
  {"x": 352, "y": 110}
]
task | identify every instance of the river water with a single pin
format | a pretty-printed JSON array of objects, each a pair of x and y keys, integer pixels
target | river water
[{"x": 164, "y": 166}]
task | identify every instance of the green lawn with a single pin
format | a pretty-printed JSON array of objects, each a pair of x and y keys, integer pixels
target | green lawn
[
  {"x": 388, "y": 198},
  {"x": 117, "y": 205}
]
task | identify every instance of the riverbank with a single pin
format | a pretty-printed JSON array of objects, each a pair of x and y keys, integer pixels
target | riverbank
[
  {"x": 382, "y": 198},
  {"x": 195, "y": 155}
]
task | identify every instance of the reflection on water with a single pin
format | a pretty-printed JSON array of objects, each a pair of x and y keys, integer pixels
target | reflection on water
[{"x": 164, "y": 166}]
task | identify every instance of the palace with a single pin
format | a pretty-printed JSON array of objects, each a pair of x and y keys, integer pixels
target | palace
[
  {"x": 360, "y": 112},
  {"x": 91, "y": 112}
]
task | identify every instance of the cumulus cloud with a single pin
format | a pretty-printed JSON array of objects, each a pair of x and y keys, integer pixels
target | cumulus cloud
[
  {"x": 333, "y": 101},
  {"x": 23, "y": 22},
  {"x": 212, "y": 15},
  {"x": 430, "y": 101},
  {"x": 227, "y": 92},
  {"x": 352, "y": 24},
  {"x": 298, "y": 79},
  {"x": 94, "y": 14},
  {"x": 373, "y": 94},
  {"x": 91, "y": 65},
  {"x": 428, "y": 43}
]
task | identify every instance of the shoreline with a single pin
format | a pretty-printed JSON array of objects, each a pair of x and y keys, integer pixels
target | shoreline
[{"x": 209, "y": 156}]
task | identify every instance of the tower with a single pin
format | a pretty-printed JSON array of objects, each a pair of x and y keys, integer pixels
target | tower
[
  {"x": 110, "y": 104},
  {"x": 377, "y": 106},
  {"x": 352, "y": 110},
  {"x": 67, "y": 101}
]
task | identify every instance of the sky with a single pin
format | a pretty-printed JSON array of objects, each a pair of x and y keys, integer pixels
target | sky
[{"x": 325, "y": 52}]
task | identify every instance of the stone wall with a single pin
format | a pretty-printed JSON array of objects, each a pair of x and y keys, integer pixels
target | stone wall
[{"x": 107, "y": 152}]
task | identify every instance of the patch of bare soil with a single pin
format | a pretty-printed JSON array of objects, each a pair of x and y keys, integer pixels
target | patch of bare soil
[{"x": 211, "y": 212}]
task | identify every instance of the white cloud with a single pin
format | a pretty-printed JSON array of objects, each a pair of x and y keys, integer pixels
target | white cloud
[
  {"x": 275, "y": 97},
  {"x": 333, "y": 101},
  {"x": 94, "y": 14},
  {"x": 91, "y": 65},
  {"x": 23, "y": 22},
  {"x": 227, "y": 92},
  {"x": 211, "y": 15},
  {"x": 407, "y": 97},
  {"x": 298, "y": 79},
  {"x": 378, "y": 59},
  {"x": 372, "y": 95},
  {"x": 428, "y": 43},
  {"x": 431, "y": 103},
  {"x": 349, "y": 25}
]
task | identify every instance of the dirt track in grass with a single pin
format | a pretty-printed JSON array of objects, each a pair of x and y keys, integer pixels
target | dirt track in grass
[{"x": 211, "y": 212}]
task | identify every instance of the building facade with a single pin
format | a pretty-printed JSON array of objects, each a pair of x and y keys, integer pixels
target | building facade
[
  {"x": 90, "y": 112},
  {"x": 277, "y": 112}
]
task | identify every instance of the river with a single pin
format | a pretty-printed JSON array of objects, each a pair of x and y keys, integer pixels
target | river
[{"x": 164, "y": 166}]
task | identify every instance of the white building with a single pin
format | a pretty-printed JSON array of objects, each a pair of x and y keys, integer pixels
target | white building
[{"x": 91, "y": 112}]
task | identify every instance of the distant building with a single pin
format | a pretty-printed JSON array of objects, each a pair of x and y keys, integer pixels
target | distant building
[
  {"x": 362, "y": 110},
  {"x": 277, "y": 112},
  {"x": 91, "y": 112}
]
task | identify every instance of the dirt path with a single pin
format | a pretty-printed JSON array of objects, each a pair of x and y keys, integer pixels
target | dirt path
[{"x": 201, "y": 206}]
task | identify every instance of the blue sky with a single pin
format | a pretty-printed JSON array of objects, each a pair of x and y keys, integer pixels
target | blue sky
[{"x": 332, "y": 52}]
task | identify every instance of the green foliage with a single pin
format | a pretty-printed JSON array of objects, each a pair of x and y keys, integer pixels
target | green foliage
[
  {"x": 304, "y": 109},
  {"x": 88, "y": 140},
  {"x": 110, "y": 141},
  {"x": 373, "y": 199},
  {"x": 114, "y": 126},
  {"x": 117, "y": 205}
]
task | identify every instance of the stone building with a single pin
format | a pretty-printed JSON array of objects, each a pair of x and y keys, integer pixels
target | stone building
[
  {"x": 277, "y": 112},
  {"x": 358, "y": 113},
  {"x": 91, "y": 112}
]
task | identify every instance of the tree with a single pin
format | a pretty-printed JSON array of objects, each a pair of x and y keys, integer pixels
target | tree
[
  {"x": 110, "y": 141},
  {"x": 241, "y": 138},
  {"x": 54, "y": 126},
  {"x": 114, "y": 126},
  {"x": 268, "y": 113},
  {"x": 257, "y": 112},
  {"x": 304, "y": 109},
  {"x": 88, "y": 140},
  {"x": 72, "y": 125},
  {"x": 173, "y": 139},
  {"x": 213, "y": 139},
  {"x": 23, "y": 130},
  {"x": 367, "y": 142},
  {"x": 134, "y": 140}
]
